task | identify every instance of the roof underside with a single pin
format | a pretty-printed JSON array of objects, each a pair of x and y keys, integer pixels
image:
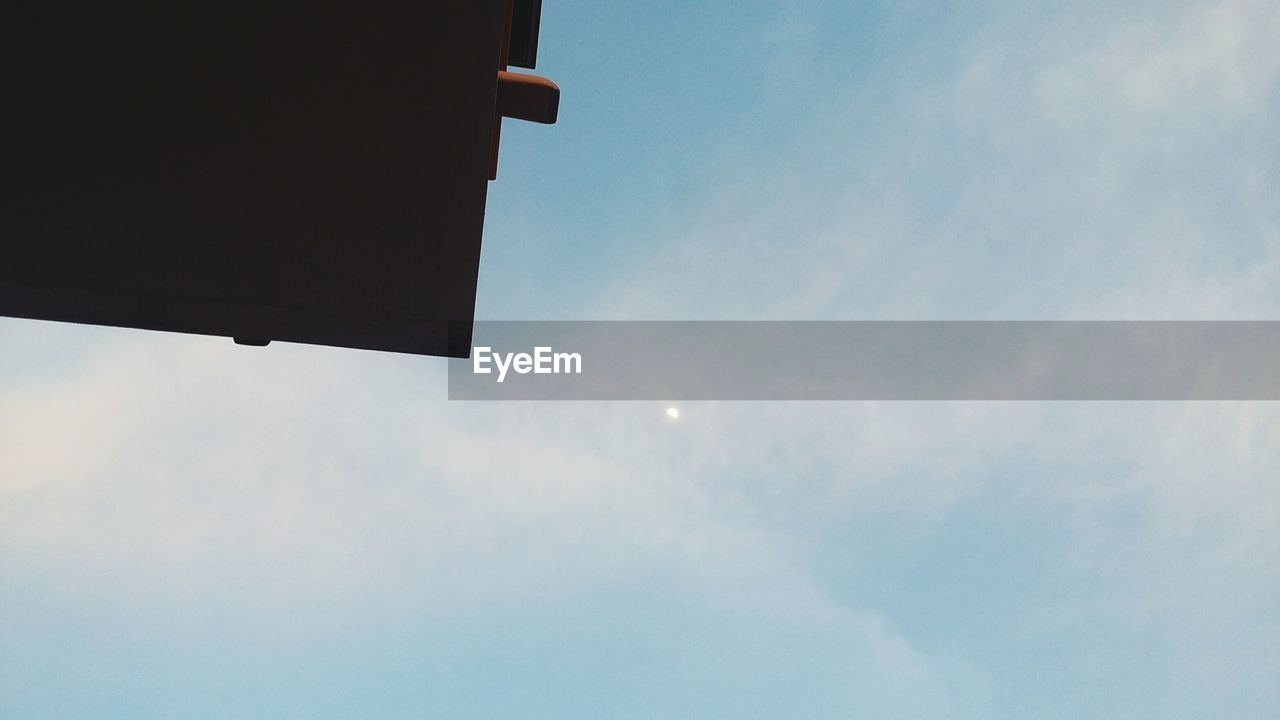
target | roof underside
[{"x": 312, "y": 173}]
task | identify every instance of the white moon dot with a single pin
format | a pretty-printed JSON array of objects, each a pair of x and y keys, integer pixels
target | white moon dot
[{"x": 673, "y": 413}]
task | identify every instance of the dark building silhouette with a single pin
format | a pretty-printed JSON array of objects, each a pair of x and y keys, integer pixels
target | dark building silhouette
[{"x": 302, "y": 171}]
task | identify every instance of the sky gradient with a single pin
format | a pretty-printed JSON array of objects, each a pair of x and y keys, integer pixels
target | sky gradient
[{"x": 193, "y": 529}]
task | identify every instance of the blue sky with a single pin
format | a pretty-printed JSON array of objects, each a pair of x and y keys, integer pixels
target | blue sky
[{"x": 191, "y": 529}]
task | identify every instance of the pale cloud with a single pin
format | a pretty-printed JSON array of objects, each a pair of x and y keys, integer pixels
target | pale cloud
[
  {"x": 1097, "y": 164},
  {"x": 309, "y": 491},
  {"x": 1222, "y": 53},
  {"x": 291, "y": 494}
]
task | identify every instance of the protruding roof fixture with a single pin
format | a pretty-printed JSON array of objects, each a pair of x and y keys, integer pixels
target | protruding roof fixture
[{"x": 521, "y": 96}]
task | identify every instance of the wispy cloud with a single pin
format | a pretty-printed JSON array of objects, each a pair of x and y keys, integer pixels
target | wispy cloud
[{"x": 1095, "y": 164}]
